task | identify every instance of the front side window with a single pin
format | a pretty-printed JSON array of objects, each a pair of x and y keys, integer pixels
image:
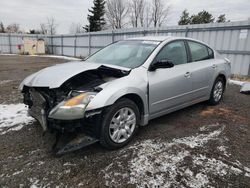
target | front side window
[
  {"x": 129, "y": 54},
  {"x": 199, "y": 51},
  {"x": 175, "y": 52}
]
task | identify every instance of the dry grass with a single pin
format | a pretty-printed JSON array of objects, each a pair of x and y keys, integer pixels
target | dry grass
[
  {"x": 221, "y": 113},
  {"x": 214, "y": 111},
  {"x": 241, "y": 78}
]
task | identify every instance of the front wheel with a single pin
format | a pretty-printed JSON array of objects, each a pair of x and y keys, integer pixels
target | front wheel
[
  {"x": 217, "y": 91},
  {"x": 120, "y": 124}
]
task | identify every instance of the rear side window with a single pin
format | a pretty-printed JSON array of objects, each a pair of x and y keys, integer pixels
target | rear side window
[
  {"x": 199, "y": 51},
  {"x": 174, "y": 51}
]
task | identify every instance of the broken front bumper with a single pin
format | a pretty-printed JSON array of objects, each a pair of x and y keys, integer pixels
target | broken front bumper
[
  {"x": 74, "y": 134},
  {"x": 37, "y": 110}
]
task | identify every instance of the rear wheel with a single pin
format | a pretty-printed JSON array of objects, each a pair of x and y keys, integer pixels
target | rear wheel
[
  {"x": 217, "y": 91},
  {"x": 120, "y": 124}
]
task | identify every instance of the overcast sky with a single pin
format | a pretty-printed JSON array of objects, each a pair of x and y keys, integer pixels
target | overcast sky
[{"x": 30, "y": 13}]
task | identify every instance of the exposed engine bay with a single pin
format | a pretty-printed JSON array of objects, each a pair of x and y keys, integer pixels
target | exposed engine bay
[{"x": 43, "y": 100}]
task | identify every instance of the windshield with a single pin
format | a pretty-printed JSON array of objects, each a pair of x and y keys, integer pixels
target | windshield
[{"x": 129, "y": 54}]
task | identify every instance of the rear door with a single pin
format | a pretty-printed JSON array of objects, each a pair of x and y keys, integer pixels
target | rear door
[
  {"x": 202, "y": 66},
  {"x": 170, "y": 88}
]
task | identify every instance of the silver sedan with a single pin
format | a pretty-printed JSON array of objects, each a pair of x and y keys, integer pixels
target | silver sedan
[{"x": 110, "y": 94}]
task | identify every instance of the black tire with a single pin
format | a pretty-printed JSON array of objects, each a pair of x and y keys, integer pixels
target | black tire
[
  {"x": 105, "y": 138},
  {"x": 213, "y": 99}
]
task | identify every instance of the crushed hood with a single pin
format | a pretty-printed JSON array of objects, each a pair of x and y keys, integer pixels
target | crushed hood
[{"x": 55, "y": 76}]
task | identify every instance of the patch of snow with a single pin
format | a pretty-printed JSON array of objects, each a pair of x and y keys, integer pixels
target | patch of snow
[
  {"x": 58, "y": 57},
  {"x": 40, "y": 163},
  {"x": 200, "y": 180},
  {"x": 3, "y": 82},
  {"x": 18, "y": 157},
  {"x": 69, "y": 164},
  {"x": 236, "y": 82},
  {"x": 13, "y": 117},
  {"x": 223, "y": 150},
  {"x": 34, "y": 183},
  {"x": 80, "y": 184},
  {"x": 50, "y": 56},
  {"x": 17, "y": 172},
  {"x": 67, "y": 171},
  {"x": 155, "y": 163},
  {"x": 34, "y": 151},
  {"x": 207, "y": 128},
  {"x": 199, "y": 140},
  {"x": 8, "y": 54}
]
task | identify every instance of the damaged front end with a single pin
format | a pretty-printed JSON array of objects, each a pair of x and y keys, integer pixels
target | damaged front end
[{"x": 63, "y": 111}]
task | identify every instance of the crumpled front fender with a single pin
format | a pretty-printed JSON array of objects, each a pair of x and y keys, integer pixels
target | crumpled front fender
[{"x": 131, "y": 84}]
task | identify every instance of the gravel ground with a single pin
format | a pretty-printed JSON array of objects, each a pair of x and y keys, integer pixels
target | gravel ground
[{"x": 199, "y": 146}]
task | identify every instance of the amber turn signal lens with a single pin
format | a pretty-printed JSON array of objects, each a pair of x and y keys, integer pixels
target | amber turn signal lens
[{"x": 76, "y": 100}]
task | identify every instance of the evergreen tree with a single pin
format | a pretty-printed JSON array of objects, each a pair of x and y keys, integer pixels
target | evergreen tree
[
  {"x": 33, "y": 31},
  {"x": 96, "y": 16},
  {"x": 2, "y": 30},
  {"x": 221, "y": 18},
  {"x": 184, "y": 19},
  {"x": 201, "y": 18}
]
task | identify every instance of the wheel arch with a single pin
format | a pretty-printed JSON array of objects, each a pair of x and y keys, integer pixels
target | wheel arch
[
  {"x": 137, "y": 100},
  {"x": 221, "y": 75}
]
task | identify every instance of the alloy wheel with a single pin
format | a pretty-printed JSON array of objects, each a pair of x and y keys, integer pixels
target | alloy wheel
[
  {"x": 122, "y": 125},
  {"x": 218, "y": 91}
]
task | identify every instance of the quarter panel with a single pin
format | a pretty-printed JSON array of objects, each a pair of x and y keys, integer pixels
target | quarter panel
[{"x": 202, "y": 78}]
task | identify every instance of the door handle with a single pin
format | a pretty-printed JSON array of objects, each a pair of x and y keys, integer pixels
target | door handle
[
  {"x": 188, "y": 74},
  {"x": 214, "y": 66}
]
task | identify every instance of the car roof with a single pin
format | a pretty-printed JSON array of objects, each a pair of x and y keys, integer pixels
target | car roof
[
  {"x": 154, "y": 38},
  {"x": 165, "y": 38}
]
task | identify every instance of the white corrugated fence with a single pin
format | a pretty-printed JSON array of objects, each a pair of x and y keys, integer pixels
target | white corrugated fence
[{"x": 231, "y": 39}]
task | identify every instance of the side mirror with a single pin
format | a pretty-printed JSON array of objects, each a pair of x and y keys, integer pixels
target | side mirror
[{"x": 162, "y": 64}]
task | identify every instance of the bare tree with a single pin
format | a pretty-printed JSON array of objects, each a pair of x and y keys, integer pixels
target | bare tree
[
  {"x": 52, "y": 25},
  {"x": 49, "y": 28},
  {"x": 44, "y": 29},
  {"x": 75, "y": 28},
  {"x": 160, "y": 11},
  {"x": 145, "y": 15},
  {"x": 116, "y": 12},
  {"x": 136, "y": 12},
  {"x": 13, "y": 28}
]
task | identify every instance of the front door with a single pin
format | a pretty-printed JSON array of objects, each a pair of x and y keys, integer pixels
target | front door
[{"x": 170, "y": 88}]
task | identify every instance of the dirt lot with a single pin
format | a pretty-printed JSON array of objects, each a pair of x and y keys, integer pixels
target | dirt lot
[{"x": 200, "y": 146}]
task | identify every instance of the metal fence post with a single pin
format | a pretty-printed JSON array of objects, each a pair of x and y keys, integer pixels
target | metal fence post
[
  {"x": 89, "y": 43},
  {"x": 52, "y": 44},
  {"x": 10, "y": 44},
  {"x": 113, "y": 36},
  {"x": 186, "y": 33},
  {"x": 62, "y": 44},
  {"x": 75, "y": 46},
  {"x": 249, "y": 70}
]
